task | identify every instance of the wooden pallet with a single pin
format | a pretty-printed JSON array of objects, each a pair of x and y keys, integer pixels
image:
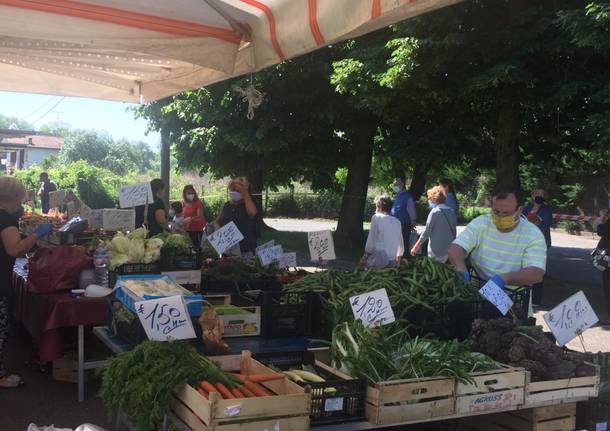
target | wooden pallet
[
  {"x": 288, "y": 409},
  {"x": 560, "y": 417},
  {"x": 492, "y": 390},
  {"x": 549, "y": 392}
]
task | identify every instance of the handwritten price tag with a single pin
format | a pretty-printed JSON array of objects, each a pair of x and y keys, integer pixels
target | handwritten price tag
[
  {"x": 165, "y": 319},
  {"x": 135, "y": 195},
  {"x": 270, "y": 254},
  {"x": 321, "y": 245},
  {"x": 373, "y": 308},
  {"x": 570, "y": 318},
  {"x": 268, "y": 244},
  {"x": 288, "y": 260},
  {"x": 225, "y": 238},
  {"x": 114, "y": 220},
  {"x": 494, "y": 294}
]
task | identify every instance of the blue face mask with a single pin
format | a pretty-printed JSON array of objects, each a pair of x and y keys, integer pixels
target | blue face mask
[
  {"x": 431, "y": 204},
  {"x": 396, "y": 189}
]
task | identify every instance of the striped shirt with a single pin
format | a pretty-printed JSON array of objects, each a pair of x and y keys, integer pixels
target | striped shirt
[{"x": 493, "y": 252}]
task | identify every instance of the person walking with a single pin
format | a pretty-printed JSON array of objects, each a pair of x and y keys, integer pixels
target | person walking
[
  {"x": 603, "y": 230},
  {"x": 192, "y": 211},
  {"x": 440, "y": 227},
  {"x": 12, "y": 245},
  {"x": 540, "y": 214},
  {"x": 450, "y": 197},
  {"x": 404, "y": 209},
  {"x": 46, "y": 187},
  {"x": 156, "y": 215},
  {"x": 384, "y": 245}
]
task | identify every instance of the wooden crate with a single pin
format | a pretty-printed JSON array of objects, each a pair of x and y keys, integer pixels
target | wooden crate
[
  {"x": 559, "y": 417},
  {"x": 502, "y": 389},
  {"x": 411, "y": 400},
  {"x": 550, "y": 392},
  {"x": 289, "y": 409}
]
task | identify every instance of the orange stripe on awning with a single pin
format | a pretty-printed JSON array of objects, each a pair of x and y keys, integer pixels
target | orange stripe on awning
[
  {"x": 125, "y": 18},
  {"x": 272, "y": 30},
  {"x": 313, "y": 22},
  {"x": 376, "y": 9}
]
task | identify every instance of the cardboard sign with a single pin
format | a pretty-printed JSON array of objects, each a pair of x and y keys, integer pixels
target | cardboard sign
[
  {"x": 56, "y": 198},
  {"x": 270, "y": 254},
  {"x": 321, "y": 245},
  {"x": 264, "y": 246},
  {"x": 225, "y": 238},
  {"x": 570, "y": 318},
  {"x": 288, "y": 260},
  {"x": 114, "y": 220},
  {"x": 372, "y": 308},
  {"x": 165, "y": 319},
  {"x": 135, "y": 195},
  {"x": 96, "y": 219},
  {"x": 496, "y": 295}
]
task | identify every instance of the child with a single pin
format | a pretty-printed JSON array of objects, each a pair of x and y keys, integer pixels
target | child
[{"x": 177, "y": 219}]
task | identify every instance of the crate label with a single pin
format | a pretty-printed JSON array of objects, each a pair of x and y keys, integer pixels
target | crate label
[
  {"x": 601, "y": 426},
  {"x": 165, "y": 319},
  {"x": 372, "y": 308},
  {"x": 232, "y": 411},
  {"x": 492, "y": 401},
  {"x": 570, "y": 318},
  {"x": 321, "y": 245},
  {"x": 135, "y": 195},
  {"x": 333, "y": 404},
  {"x": 494, "y": 294},
  {"x": 225, "y": 238}
]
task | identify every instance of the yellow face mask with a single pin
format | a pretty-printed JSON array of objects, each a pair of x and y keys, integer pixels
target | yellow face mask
[{"x": 504, "y": 222}]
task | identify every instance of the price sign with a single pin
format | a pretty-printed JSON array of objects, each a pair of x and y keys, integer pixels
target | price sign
[
  {"x": 373, "y": 308},
  {"x": 165, "y": 319},
  {"x": 570, "y": 318},
  {"x": 114, "y": 220},
  {"x": 225, "y": 238},
  {"x": 288, "y": 260},
  {"x": 264, "y": 246},
  {"x": 270, "y": 254},
  {"x": 96, "y": 219},
  {"x": 494, "y": 294},
  {"x": 56, "y": 198},
  {"x": 135, "y": 195},
  {"x": 321, "y": 245}
]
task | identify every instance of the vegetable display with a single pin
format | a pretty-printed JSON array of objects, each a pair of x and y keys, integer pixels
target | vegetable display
[
  {"x": 236, "y": 270},
  {"x": 141, "y": 383},
  {"x": 175, "y": 242},
  {"x": 388, "y": 353},
  {"x": 250, "y": 387},
  {"x": 527, "y": 347},
  {"x": 133, "y": 248}
]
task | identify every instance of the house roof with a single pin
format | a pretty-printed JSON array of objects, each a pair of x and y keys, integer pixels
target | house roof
[{"x": 34, "y": 141}]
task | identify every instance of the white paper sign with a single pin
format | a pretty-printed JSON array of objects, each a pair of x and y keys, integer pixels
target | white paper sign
[
  {"x": 288, "y": 260},
  {"x": 372, "y": 308},
  {"x": 114, "y": 220},
  {"x": 56, "y": 198},
  {"x": 165, "y": 319},
  {"x": 571, "y": 317},
  {"x": 321, "y": 245},
  {"x": 225, "y": 238},
  {"x": 494, "y": 294},
  {"x": 270, "y": 254},
  {"x": 264, "y": 246},
  {"x": 96, "y": 219},
  {"x": 136, "y": 194}
]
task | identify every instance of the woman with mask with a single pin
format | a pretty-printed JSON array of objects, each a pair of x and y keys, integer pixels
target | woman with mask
[
  {"x": 244, "y": 212},
  {"x": 450, "y": 198},
  {"x": 192, "y": 211},
  {"x": 12, "y": 245}
]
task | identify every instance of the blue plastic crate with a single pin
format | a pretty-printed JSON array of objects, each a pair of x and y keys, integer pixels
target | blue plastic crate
[{"x": 128, "y": 298}]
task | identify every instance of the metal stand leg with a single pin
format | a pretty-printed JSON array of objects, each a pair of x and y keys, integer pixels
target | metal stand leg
[
  {"x": 81, "y": 363},
  {"x": 165, "y": 423}
]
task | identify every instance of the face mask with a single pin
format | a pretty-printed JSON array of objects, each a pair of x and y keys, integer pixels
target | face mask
[
  {"x": 190, "y": 197},
  {"x": 172, "y": 213},
  {"x": 539, "y": 200},
  {"x": 431, "y": 204},
  {"x": 396, "y": 189},
  {"x": 235, "y": 196},
  {"x": 504, "y": 222}
]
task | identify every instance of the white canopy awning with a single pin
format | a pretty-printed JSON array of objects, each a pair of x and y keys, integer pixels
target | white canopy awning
[{"x": 127, "y": 50}]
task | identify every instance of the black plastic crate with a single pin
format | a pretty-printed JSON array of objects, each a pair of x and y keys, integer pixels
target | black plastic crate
[
  {"x": 603, "y": 360},
  {"x": 172, "y": 261},
  {"x": 334, "y": 401},
  {"x": 593, "y": 414},
  {"x": 286, "y": 314},
  {"x": 238, "y": 288},
  {"x": 132, "y": 269}
]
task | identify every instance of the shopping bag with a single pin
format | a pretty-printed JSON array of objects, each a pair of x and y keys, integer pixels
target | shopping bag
[{"x": 57, "y": 268}]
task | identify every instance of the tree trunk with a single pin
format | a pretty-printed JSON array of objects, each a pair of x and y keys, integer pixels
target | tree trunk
[
  {"x": 507, "y": 147},
  {"x": 418, "y": 182},
  {"x": 349, "y": 228},
  {"x": 165, "y": 158}
]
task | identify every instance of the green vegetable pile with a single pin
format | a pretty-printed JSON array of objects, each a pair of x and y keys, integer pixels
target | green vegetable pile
[
  {"x": 133, "y": 248},
  {"x": 175, "y": 242},
  {"x": 239, "y": 271},
  {"x": 420, "y": 282},
  {"x": 388, "y": 353},
  {"x": 141, "y": 383}
]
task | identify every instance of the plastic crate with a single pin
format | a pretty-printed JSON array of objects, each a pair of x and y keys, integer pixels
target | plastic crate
[
  {"x": 603, "y": 360},
  {"x": 286, "y": 314},
  {"x": 593, "y": 414},
  {"x": 345, "y": 403},
  {"x": 172, "y": 261},
  {"x": 132, "y": 269}
]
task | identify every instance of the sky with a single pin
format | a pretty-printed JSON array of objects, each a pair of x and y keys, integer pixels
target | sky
[{"x": 78, "y": 113}]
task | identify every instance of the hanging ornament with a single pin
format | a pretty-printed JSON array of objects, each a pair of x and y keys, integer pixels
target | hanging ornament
[{"x": 252, "y": 96}]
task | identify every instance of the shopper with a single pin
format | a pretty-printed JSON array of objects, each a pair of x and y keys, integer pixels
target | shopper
[
  {"x": 194, "y": 220},
  {"x": 244, "y": 212},
  {"x": 156, "y": 215},
  {"x": 503, "y": 246},
  {"x": 440, "y": 226},
  {"x": 176, "y": 217},
  {"x": 46, "y": 187},
  {"x": 540, "y": 214},
  {"x": 404, "y": 209},
  {"x": 603, "y": 230},
  {"x": 384, "y": 245},
  {"x": 12, "y": 245},
  {"x": 450, "y": 197}
]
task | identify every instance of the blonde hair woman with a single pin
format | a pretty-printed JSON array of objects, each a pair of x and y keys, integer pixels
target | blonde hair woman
[
  {"x": 12, "y": 245},
  {"x": 440, "y": 226}
]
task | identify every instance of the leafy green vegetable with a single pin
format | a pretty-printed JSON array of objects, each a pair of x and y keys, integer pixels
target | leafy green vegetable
[{"x": 175, "y": 242}]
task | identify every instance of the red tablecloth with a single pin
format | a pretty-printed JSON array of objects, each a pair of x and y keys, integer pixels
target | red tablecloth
[{"x": 43, "y": 314}]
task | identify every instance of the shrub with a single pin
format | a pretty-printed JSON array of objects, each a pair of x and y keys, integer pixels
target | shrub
[
  {"x": 467, "y": 214},
  {"x": 571, "y": 227}
]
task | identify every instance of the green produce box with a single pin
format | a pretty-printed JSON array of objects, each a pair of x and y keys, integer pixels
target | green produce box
[{"x": 239, "y": 321}]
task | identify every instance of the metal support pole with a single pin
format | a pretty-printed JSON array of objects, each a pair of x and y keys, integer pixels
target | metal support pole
[
  {"x": 81, "y": 363},
  {"x": 165, "y": 163}
]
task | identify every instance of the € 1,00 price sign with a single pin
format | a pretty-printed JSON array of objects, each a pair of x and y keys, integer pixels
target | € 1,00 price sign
[
  {"x": 571, "y": 318},
  {"x": 165, "y": 319}
]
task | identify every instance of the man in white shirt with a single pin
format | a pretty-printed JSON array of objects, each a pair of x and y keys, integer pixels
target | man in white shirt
[{"x": 384, "y": 245}]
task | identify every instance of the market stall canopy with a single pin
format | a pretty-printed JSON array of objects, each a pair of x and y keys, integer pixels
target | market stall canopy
[{"x": 143, "y": 50}]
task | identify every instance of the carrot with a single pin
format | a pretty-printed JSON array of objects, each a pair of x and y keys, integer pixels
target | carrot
[
  {"x": 258, "y": 378},
  {"x": 237, "y": 393},
  {"x": 241, "y": 377},
  {"x": 203, "y": 393},
  {"x": 247, "y": 392},
  {"x": 226, "y": 393},
  {"x": 208, "y": 387},
  {"x": 257, "y": 389}
]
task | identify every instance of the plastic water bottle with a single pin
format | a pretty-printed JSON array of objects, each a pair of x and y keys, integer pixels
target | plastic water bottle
[{"x": 100, "y": 263}]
